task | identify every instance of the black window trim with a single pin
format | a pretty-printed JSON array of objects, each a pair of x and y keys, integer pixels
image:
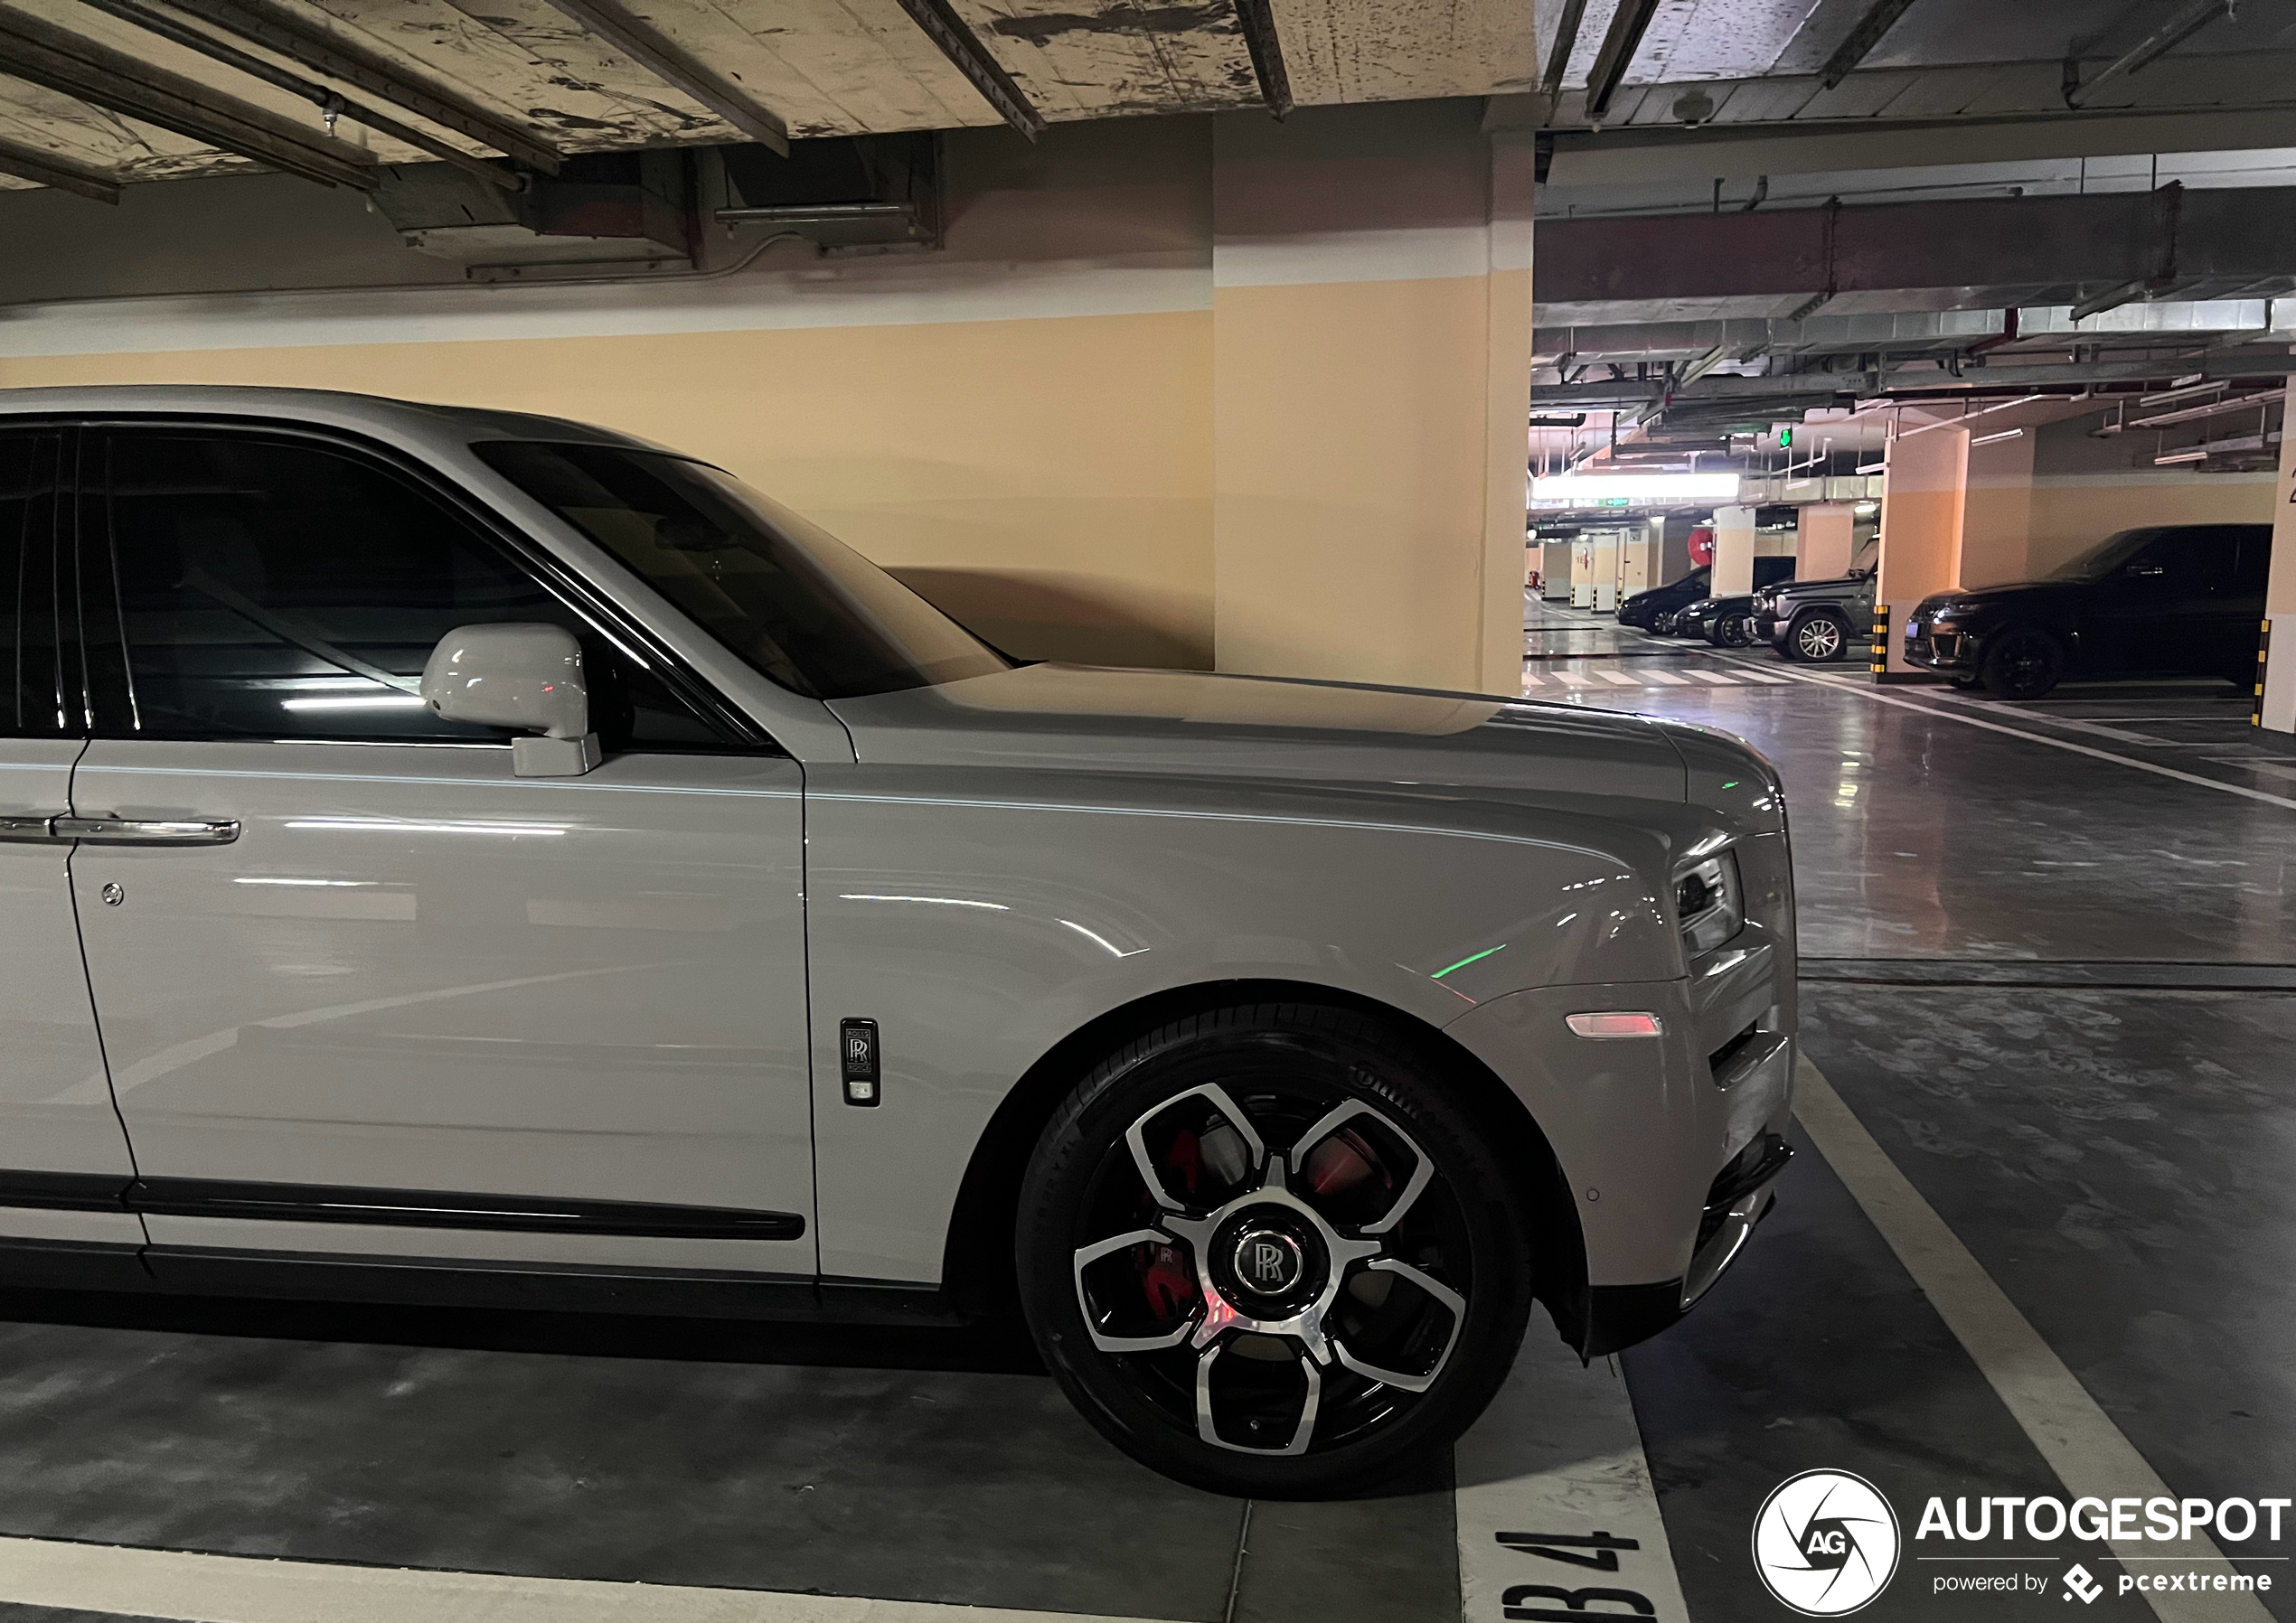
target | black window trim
[
  {"x": 744, "y": 735},
  {"x": 67, "y": 655}
]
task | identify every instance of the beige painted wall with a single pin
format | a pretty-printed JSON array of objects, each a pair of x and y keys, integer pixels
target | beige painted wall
[
  {"x": 2086, "y": 488},
  {"x": 1047, "y": 482},
  {"x": 1097, "y": 427}
]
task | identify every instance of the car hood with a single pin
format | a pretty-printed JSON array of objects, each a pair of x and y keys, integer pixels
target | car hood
[
  {"x": 1193, "y": 723},
  {"x": 1839, "y": 583},
  {"x": 2022, "y": 591}
]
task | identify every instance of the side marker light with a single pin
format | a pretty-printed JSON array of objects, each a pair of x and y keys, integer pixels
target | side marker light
[{"x": 1615, "y": 1024}]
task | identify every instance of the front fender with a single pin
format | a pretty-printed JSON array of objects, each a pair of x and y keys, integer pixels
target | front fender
[{"x": 982, "y": 918}]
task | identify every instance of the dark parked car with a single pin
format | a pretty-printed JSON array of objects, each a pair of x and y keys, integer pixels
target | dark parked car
[
  {"x": 1817, "y": 621},
  {"x": 1727, "y": 621},
  {"x": 2184, "y": 598},
  {"x": 1644, "y": 609}
]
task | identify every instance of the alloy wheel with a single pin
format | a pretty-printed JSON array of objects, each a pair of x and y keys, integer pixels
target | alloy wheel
[
  {"x": 1272, "y": 1264},
  {"x": 1819, "y": 639}
]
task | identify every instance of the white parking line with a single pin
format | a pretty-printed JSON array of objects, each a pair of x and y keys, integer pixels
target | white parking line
[
  {"x": 1665, "y": 678},
  {"x": 1717, "y": 678},
  {"x": 2090, "y": 1455},
  {"x": 1618, "y": 679},
  {"x": 1555, "y": 1500},
  {"x": 1852, "y": 686},
  {"x": 242, "y": 1589},
  {"x": 1571, "y": 679}
]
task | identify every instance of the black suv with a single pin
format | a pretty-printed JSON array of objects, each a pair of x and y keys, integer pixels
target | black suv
[
  {"x": 1817, "y": 621},
  {"x": 2185, "y": 598}
]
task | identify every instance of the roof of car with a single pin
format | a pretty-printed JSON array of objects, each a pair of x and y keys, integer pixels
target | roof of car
[{"x": 323, "y": 408}]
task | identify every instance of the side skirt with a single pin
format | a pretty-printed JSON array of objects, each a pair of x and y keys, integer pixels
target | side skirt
[{"x": 297, "y": 1276}]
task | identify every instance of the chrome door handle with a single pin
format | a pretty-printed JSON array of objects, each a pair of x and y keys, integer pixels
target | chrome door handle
[
  {"x": 19, "y": 828},
  {"x": 134, "y": 831}
]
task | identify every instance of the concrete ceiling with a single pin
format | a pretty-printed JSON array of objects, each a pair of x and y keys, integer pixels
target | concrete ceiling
[
  {"x": 576, "y": 76},
  {"x": 1767, "y": 62}
]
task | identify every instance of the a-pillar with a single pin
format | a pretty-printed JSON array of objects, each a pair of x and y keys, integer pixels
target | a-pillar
[
  {"x": 1371, "y": 330},
  {"x": 1733, "y": 574},
  {"x": 1925, "y": 498},
  {"x": 2276, "y": 684},
  {"x": 1825, "y": 538}
]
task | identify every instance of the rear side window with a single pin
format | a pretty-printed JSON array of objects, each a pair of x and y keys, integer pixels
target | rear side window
[
  {"x": 274, "y": 589},
  {"x": 38, "y": 697}
]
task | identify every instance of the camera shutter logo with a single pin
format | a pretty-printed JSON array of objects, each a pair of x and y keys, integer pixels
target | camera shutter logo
[{"x": 1825, "y": 1543}]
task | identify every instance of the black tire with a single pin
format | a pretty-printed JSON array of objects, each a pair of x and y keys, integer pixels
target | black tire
[
  {"x": 1963, "y": 684},
  {"x": 1283, "y": 1069},
  {"x": 2023, "y": 663},
  {"x": 1816, "y": 637},
  {"x": 1732, "y": 630}
]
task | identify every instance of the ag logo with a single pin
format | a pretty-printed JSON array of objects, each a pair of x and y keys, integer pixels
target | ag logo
[{"x": 1825, "y": 1543}]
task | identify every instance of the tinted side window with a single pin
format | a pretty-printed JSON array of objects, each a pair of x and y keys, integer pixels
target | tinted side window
[
  {"x": 33, "y": 700},
  {"x": 270, "y": 588}
]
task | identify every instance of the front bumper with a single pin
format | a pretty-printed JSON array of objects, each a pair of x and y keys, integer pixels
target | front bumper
[
  {"x": 1939, "y": 648},
  {"x": 1768, "y": 627},
  {"x": 1664, "y": 1145}
]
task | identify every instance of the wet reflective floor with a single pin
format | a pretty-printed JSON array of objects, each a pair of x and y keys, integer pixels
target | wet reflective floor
[{"x": 2050, "y": 964}]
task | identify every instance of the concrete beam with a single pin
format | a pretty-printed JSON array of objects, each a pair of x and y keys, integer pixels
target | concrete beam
[
  {"x": 2202, "y": 242},
  {"x": 1795, "y": 389},
  {"x": 1635, "y": 156}
]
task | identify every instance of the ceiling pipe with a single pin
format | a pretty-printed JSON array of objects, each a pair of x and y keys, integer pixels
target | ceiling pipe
[
  {"x": 2194, "y": 17},
  {"x": 1266, "y": 47},
  {"x": 671, "y": 63},
  {"x": 271, "y": 25},
  {"x": 46, "y": 169},
  {"x": 957, "y": 41},
  {"x": 1566, "y": 42},
  {"x": 1859, "y": 43},
  {"x": 37, "y": 51},
  {"x": 325, "y": 96},
  {"x": 1629, "y": 23}
]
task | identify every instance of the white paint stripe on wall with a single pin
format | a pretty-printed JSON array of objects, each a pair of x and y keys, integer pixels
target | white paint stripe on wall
[
  {"x": 1559, "y": 1453},
  {"x": 1409, "y": 254},
  {"x": 912, "y": 293},
  {"x": 239, "y": 1589}
]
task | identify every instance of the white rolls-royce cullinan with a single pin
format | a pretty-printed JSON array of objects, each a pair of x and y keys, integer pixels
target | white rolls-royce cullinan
[{"x": 458, "y": 856}]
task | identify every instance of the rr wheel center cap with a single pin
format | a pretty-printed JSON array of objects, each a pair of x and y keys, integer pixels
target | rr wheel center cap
[{"x": 1268, "y": 1262}]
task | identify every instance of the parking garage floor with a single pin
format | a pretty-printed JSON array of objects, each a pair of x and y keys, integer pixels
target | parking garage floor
[{"x": 2050, "y": 989}]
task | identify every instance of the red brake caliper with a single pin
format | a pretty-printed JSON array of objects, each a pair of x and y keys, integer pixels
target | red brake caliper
[{"x": 1164, "y": 1276}]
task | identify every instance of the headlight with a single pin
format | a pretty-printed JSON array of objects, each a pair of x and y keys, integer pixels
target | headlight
[{"x": 1710, "y": 904}]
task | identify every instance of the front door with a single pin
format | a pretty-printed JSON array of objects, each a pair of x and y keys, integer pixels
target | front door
[
  {"x": 362, "y": 989},
  {"x": 63, "y": 1159}
]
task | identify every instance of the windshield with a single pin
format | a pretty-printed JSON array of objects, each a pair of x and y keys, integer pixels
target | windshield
[
  {"x": 2103, "y": 558},
  {"x": 790, "y": 598}
]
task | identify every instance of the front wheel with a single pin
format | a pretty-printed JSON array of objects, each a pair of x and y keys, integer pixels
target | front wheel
[
  {"x": 2023, "y": 665},
  {"x": 1819, "y": 638},
  {"x": 1265, "y": 1252},
  {"x": 1732, "y": 630}
]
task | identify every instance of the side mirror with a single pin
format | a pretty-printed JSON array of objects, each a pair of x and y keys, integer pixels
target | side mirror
[{"x": 518, "y": 676}]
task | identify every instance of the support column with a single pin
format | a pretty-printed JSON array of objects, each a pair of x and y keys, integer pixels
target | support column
[
  {"x": 1924, "y": 497},
  {"x": 1371, "y": 334},
  {"x": 2276, "y": 687},
  {"x": 1733, "y": 551},
  {"x": 1824, "y": 539},
  {"x": 1997, "y": 519}
]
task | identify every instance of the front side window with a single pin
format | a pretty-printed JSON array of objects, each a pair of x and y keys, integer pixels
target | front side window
[
  {"x": 794, "y": 602},
  {"x": 2104, "y": 557},
  {"x": 276, "y": 588}
]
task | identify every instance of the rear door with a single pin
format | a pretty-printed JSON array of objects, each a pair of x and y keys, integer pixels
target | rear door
[
  {"x": 364, "y": 991},
  {"x": 63, "y": 1159}
]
